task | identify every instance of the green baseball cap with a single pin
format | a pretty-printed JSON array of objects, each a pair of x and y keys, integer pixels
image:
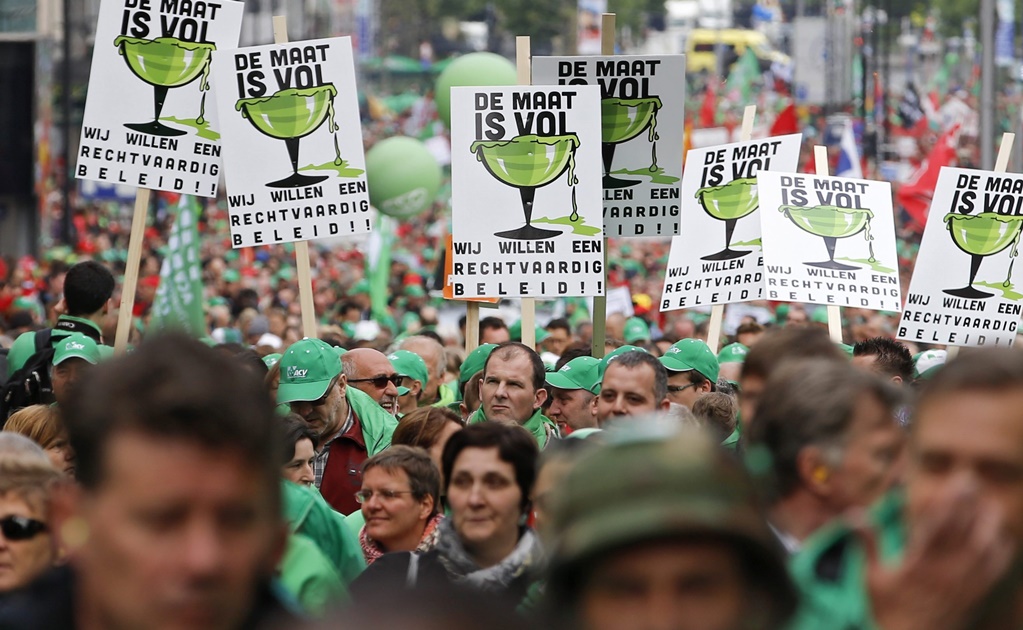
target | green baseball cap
[
  {"x": 636, "y": 330},
  {"x": 579, "y": 373},
  {"x": 362, "y": 286},
  {"x": 608, "y": 358},
  {"x": 474, "y": 362},
  {"x": 76, "y": 346},
  {"x": 733, "y": 353},
  {"x": 684, "y": 487},
  {"x": 927, "y": 363},
  {"x": 515, "y": 332},
  {"x": 307, "y": 368},
  {"x": 231, "y": 275},
  {"x": 271, "y": 360},
  {"x": 409, "y": 364},
  {"x": 692, "y": 354},
  {"x": 414, "y": 290}
]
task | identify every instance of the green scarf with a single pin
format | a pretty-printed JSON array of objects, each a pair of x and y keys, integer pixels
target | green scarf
[{"x": 542, "y": 427}]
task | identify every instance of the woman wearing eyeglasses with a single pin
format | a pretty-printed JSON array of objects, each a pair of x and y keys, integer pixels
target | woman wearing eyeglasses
[
  {"x": 400, "y": 502},
  {"x": 484, "y": 545},
  {"x": 26, "y": 548}
]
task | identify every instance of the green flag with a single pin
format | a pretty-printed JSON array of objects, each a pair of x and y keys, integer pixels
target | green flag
[
  {"x": 178, "y": 302},
  {"x": 744, "y": 73},
  {"x": 378, "y": 265}
]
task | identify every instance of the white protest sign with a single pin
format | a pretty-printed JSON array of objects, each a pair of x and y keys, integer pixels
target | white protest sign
[
  {"x": 293, "y": 157},
  {"x": 965, "y": 286},
  {"x": 525, "y": 192},
  {"x": 829, "y": 240},
  {"x": 147, "y": 121},
  {"x": 717, "y": 257},
  {"x": 642, "y": 123}
]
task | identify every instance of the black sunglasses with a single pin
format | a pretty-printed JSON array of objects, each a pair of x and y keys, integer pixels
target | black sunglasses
[
  {"x": 381, "y": 381},
  {"x": 21, "y": 528}
]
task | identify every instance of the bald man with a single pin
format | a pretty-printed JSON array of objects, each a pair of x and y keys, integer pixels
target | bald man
[
  {"x": 370, "y": 371},
  {"x": 432, "y": 353}
]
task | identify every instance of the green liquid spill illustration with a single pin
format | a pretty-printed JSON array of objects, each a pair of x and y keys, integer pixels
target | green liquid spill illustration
[
  {"x": 653, "y": 137},
  {"x": 204, "y": 86},
  {"x": 870, "y": 241},
  {"x": 334, "y": 127},
  {"x": 1012, "y": 261}
]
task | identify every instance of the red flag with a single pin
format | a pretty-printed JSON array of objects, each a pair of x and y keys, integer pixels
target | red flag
[
  {"x": 915, "y": 195},
  {"x": 787, "y": 121},
  {"x": 708, "y": 111}
]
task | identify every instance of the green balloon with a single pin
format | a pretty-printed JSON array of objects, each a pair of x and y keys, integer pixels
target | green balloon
[
  {"x": 480, "y": 68},
  {"x": 402, "y": 175}
]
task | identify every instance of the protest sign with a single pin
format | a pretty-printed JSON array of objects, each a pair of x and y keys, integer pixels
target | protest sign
[
  {"x": 829, "y": 240},
  {"x": 178, "y": 304},
  {"x": 146, "y": 119},
  {"x": 642, "y": 123},
  {"x": 964, "y": 290},
  {"x": 526, "y": 192},
  {"x": 293, "y": 155},
  {"x": 717, "y": 258}
]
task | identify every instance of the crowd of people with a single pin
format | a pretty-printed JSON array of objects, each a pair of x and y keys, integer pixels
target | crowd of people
[{"x": 785, "y": 482}]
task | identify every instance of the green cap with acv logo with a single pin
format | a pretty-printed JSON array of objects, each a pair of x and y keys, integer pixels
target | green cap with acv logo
[
  {"x": 76, "y": 346},
  {"x": 307, "y": 368}
]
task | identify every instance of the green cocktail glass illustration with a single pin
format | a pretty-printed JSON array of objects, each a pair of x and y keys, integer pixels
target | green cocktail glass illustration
[
  {"x": 830, "y": 223},
  {"x": 527, "y": 163},
  {"x": 729, "y": 203},
  {"x": 621, "y": 120},
  {"x": 164, "y": 63},
  {"x": 290, "y": 115},
  {"x": 980, "y": 235}
]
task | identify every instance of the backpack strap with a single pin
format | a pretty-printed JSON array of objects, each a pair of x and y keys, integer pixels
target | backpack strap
[
  {"x": 43, "y": 339},
  {"x": 412, "y": 575}
]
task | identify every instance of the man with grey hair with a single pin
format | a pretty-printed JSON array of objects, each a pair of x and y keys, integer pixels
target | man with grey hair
[
  {"x": 634, "y": 383},
  {"x": 432, "y": 353},
  {"x": 831, "y": 432},
  {"x": 370, "y": 371}
]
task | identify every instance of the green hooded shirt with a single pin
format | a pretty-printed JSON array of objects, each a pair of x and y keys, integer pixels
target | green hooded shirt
[
  {"x": 377, "y": 424},
  {"x": 542, "y": 427},
  {"x": 308, "y": 514},
  {"x": 25, "y": 345},
  {"x": 310, "y": 577}
]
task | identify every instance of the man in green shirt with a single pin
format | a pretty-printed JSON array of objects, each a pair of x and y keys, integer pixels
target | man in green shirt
[
  {"x": 87, "y": 290},
  {"x": 512, "y": 391}
]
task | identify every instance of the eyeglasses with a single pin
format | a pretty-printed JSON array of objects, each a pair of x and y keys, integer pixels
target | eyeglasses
[
  {"x": 381, "y": 381},
  {"x": 675, "y": 389},
  {"x": 363, "y": 496},
  {"x": 21, "y": 528}
]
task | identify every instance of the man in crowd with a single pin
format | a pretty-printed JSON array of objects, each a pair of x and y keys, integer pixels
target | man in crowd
[
  {"x": 412, "y": 369},
  {"x": 833, "y": 441},
  {"x": 176, "y": 521},
  {"x": 945, "y": 553},
  {"x": 634, "y": 383},
  {"x": 351, "y": 426},
  {"x": 559, "y": 336},
  {"x": 494, "y": 330},
  {"x": 692, "y": 371},
  {"x": 369, "y": 370},
  {"x": 432, "y": 354},
  {"x": 86, "y": 302},
  {"x": 571, "y": 393},
  {"x": 73, "y": 357},
  {"x": 771, "y": 351},
  {"x": 663, "y": 534},
  {"x": 885, "y": 357},
  {"x": 512, "y": 391}
]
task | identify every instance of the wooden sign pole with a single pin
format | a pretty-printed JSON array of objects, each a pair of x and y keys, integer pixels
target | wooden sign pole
[
  {"x": 131, "y": 271},
  {"x": 1001, "y": 165},
  {"x": 599, "y": 314},
  {"x": 522, "y": 65},
  {"x": 820, "y": 157},
  {"x": 305, "y": 279},
  {"x": 717, "y": 312}
]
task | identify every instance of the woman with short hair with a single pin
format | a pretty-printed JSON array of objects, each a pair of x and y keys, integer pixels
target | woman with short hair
[
  {"x": 26, "y": 546},
  {"x": 428, "y": 428},
  {"x": 489, "y": 470},
  {"x": 42, "y": 424},
  {"x": 299, "y": 451},
  {"x": 400, "y": 500}
]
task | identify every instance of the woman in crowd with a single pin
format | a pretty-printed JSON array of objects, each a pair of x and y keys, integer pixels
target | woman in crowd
[
  {"x": 429, "y": 428},
  {"x": 400, "y": 500},
  {"x": 26, "y": 546},
  {"x": 299, "y": 451},
  {"x": 489, "y": 470},
  {"x": 42, "y": 425}
]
